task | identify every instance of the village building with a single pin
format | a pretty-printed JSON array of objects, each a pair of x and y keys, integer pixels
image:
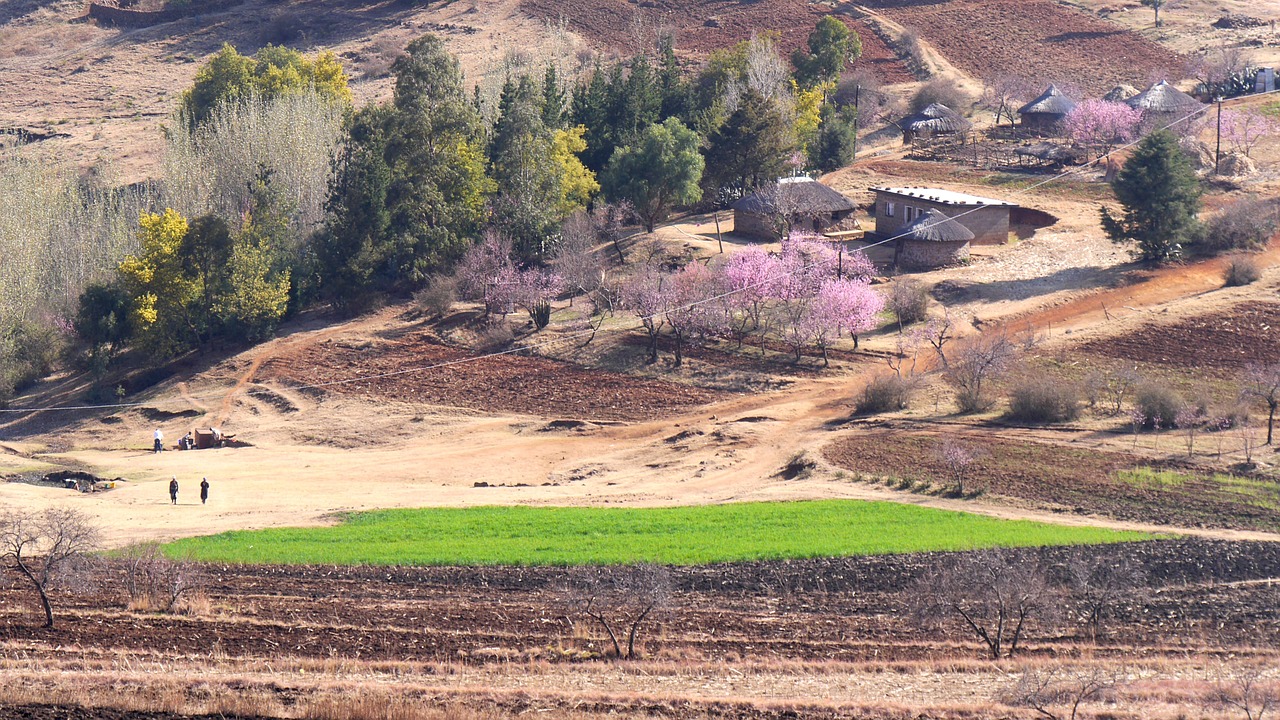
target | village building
[
  {"x": 1046, "y": 113},
  {"x": 932, "y": 240},
  {"x": 1120, "y": 93},
  {"x": 898, "y": 207},
  {"x": 800, "y": 203},
  {"x": 1163, "y": 104},
  {"x": 933, "y": 121}
]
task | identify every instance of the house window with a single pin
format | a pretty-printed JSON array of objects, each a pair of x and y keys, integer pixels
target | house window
[
  {"x": 909, "y": 213},
  {"x": 888, "y": 209}
]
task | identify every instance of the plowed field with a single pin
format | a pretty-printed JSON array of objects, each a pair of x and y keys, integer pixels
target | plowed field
[
  {"x": 702, "y": 26},
  {"x": 1225, "y": 342},
  {"x": 1041, "y": 40},
  {"x": 416, "y": 368},
  {"x": 1085, "y": 480}
]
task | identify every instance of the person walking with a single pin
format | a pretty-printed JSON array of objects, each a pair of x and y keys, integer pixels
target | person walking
[
  {"x": 159, "y": 440},
  {"x": 173, "y": 491},
  {"x": 204, "y": 490}
]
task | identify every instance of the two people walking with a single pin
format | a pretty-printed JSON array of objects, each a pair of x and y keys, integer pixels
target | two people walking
[{"x": 173, "y": 491}]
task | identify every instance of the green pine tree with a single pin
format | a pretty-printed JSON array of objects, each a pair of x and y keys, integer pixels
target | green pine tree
[{"x": 1160, "y": 195}]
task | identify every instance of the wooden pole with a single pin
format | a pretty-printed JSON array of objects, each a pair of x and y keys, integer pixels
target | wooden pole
[
  {"x": 719, "y": 237},
  {"x": 1217, "y": 158}
]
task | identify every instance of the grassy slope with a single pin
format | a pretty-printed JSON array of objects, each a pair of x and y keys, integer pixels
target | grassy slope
[{"x": 676, "y": 535}]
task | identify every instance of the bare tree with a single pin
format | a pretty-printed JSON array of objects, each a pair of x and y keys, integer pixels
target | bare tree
[
  {"x": 938, "y": 332},
  {"x": 1112, "y": 387},
  {"x": 997, "y": 594},
  {"x": 1247, "y": 690},
  {"x": 622, "y": 599},
  {"x": 1003, "y": 92},
  {"x": 974, "y": 364},
  {"x": 575, "y": 257},
  {"x": 1056, "y": 693},
  {"x": 1262, "y": 382},
  {"x": 1099, "y": 584},
  {"x": 61, "y": 534},
  {"x": 154, "y": 581}
]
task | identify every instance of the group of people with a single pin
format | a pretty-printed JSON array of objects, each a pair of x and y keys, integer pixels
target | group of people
[
  {"x": 186, "y": 442},
  {"x": 173, "y": 490}
]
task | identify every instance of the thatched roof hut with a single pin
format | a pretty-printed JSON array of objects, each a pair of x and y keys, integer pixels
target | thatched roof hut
[
  {"x": 933, "y": 240},
  {"x": 1047, "y": 111},
  {"x": 1120, "y": 93},
  {"x": 801, "y": 201},
  {"x": 934, "y": 120},
  {"x": 1165, "y": 99}
]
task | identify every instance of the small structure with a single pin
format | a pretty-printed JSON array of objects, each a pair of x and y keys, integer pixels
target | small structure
[
  {"x": 932, "y": 240},
  {"x": 986, "y": 218},
  {"x": 933, "y": 121},
  {"x": 1046, "y": 113},
  {"x": 799, "y": 202},
  {"x": 1120, "y": 93},
  {"x": 1163, "y": 104}
]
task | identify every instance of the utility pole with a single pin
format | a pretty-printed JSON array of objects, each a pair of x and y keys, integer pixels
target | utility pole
[{"x": 1217, "y": 158}]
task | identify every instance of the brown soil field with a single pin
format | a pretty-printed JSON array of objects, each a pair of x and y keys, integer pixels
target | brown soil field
[
  {"x": 702, "y": 26},
  {"x": 1082, "y": 480},
  {"x": 820, "y": 638},
  {"x": 1042, "y": 40},
  {"x": 418, "y": 368},
  {"x": 1221, "y": 342}
]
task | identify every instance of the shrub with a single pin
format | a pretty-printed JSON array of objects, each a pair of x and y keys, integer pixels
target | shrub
[
  {"x": 496, "y": 337},
  {"x": 941, "y": 91},
  {"x": 1042, "y": 399},
  {"x": 909, "y": 301},
  {"x": 885, "y": 393},
  {"x": 283, "y": 29},
  {"x": 438, "y": 296},
  {"x": 1241, "y": 270},
  {"x": 1158, "y": 403},
  {"x": 1246, "y": 224}
]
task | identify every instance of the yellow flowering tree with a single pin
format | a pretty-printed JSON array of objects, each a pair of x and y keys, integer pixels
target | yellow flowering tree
[{"x": 577, "y": 183}]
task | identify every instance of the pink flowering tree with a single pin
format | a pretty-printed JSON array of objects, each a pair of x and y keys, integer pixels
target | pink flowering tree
[
  {"x": 643, "y": 294},
  {"x": 693, "y": 308},
  {"x": 534, "y": 289},
  {"x": 1243, "y": 129},
  {"x": 857, "y": 266},
  {"x": 487, "y": 273},
  {"x": 1101, "y": 125},
  {"x": 840, "y": 306},
  {"x": 805, "y": 263},
  {"x": 751, "y": 277}
]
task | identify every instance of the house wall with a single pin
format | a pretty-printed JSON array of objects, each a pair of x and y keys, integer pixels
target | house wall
[
  {"x": 917, "y": 255},
  {"x": 1046, "y": 123},
  {"x": 758, "y": 226},
  {"x": 988, "y": 223}
]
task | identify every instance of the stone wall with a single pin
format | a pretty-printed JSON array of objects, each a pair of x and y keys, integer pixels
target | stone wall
[{"x": 920, "y": 255}]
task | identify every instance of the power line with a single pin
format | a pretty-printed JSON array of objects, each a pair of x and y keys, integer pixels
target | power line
[{"x": 641, "y": 320}]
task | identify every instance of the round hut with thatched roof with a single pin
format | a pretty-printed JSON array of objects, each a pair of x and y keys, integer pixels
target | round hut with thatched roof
[
  {"x": 933, "y": 121},
  {"x": 799, "y": 203},
  {"x": 1120, "y": 93},
  {"x": 932, "y": 240},
  {"x": 1046, "y": 113},
  {"x": 1163, "y": 104}
]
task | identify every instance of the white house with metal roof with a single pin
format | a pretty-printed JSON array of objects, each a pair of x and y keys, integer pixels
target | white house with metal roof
[{"x": 987, "y": 218}]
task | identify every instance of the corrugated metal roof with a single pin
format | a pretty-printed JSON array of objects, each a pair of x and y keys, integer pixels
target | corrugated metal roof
[{"x": 942, "y": 197}]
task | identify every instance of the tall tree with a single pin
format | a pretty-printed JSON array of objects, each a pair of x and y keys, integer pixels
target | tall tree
[
  {"x": 662, "y": 169},
  {"x": 837, "y": 139},
  {"x": 438, "y": 189},
  {"x": 527, "y": 173},
  {"x": 554, "y": 101},
  {"x": 274, "y": 72},
  {"x": 352, "y": 248},
  {"x": 831, "y": 47},
  {"x": 1160, "y": 195},
  {"x": 752, "y": 147},
  {"x": 1156, "y": 5}
]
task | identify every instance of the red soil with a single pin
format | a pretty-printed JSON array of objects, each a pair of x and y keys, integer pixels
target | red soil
[
  {"x": 1041, "y": 40},
  {"x": 506, "y": 383},
  {"x": 1247, "y": 333}
]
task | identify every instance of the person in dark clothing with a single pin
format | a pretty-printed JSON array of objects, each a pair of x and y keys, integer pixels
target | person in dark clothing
[
  {"x": 204, "y": 490},
  {"x": 173, "y": 491}
]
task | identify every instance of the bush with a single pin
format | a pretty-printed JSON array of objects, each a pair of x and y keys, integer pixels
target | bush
[
  {"x": 28, "y": 352},
  {"x": 1041, "y": 399},
  {"x": 1246, "y": 224},
  {"x": 1241, "y": 270},
  {"x": 497, "y": 336},
  {"x": 438, "y": 297},
  {"x": 1158, "y": 402},
  {"x": 885, "y": 393},
  {"x": 941, "y": 91},
  {"x": 909, "y": 301}
]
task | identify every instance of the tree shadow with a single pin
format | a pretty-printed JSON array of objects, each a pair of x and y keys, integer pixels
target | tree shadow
[{"x": 1074, "y": 278}]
